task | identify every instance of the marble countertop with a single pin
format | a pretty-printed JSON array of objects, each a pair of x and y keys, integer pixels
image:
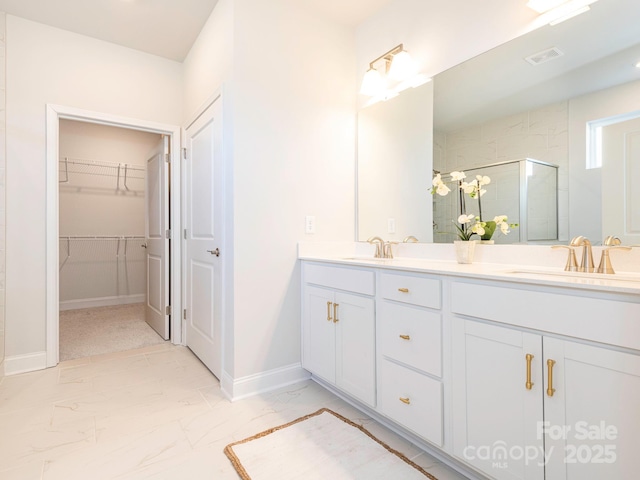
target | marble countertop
[{"x": 526, "y": 273}]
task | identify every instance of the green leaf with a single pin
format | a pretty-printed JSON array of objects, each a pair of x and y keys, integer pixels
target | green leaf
[{"x": 489, "y": 229}]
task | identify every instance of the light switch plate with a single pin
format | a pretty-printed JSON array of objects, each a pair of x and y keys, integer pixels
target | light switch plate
[{"x": 391, "y": 225}]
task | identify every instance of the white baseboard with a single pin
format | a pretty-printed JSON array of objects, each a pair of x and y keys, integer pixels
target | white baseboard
[
  {"x": 237, "y": 389},
  {"x": 25, "y": 363},
  {"x": 102, "y": 301}
]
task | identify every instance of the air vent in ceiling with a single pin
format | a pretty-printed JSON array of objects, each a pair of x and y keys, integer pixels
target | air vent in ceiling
[{"x": 544, "y": 56}]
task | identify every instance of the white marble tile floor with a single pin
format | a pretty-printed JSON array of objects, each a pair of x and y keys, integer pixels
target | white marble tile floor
[{"x": 152, "y": 413}]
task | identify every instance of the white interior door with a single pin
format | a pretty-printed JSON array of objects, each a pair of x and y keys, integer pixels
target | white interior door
[
  {"x": 157, "y": 224},
  {"x": 204, "y": 249},
  {"x": 620, "y": 177}
]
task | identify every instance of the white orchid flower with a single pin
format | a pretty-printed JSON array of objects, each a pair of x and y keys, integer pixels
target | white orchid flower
[
  {"x": 465, "y": 218},
  {"x": 469, "y": 188},
  {"x": 439, "y": 186},
  {"x": 478, "y": 228},
  {"x": 457, "y": 176},
  {"x": 442, "y": 189},
  {"x": 483, "y": 180},
  {"x": 501, "y": 222}
]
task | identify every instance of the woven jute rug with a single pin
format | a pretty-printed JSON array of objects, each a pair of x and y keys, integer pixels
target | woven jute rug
[{"x": 323, "y": 445}]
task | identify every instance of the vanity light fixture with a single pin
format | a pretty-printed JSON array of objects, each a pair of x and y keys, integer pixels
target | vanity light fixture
[
  {"x": 397, "y": 65},
  {"x": 372, "y": 83},
  {"x": 402, "y": 66},
  {"x": 399, "y": 74}
]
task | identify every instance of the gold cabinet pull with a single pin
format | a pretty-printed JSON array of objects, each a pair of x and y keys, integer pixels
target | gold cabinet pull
[
  {"x": 335, "y": 313},
  {"x": 404, "y": 400},
  {"x": 403, "y": 290},
  {"x": 405, "y": 337},
  {"x": 529, "y": 383},
  {"x": 329, "y": 311},
  {"x": 550, "y": 389}
]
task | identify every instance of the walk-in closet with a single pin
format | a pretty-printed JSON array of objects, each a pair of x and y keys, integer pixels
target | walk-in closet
[{"x": 103, "y": 251}]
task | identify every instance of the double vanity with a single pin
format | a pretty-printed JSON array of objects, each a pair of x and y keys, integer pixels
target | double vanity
[{"x": 508, "y": 368}]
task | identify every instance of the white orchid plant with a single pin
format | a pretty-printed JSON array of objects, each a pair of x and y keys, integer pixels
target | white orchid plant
[{"x": 465, "y": 228}]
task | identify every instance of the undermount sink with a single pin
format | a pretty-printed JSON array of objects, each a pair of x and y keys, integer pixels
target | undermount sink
[{"x": 623, "y": 277}]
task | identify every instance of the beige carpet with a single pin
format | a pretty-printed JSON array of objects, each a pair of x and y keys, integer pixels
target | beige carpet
[
  {"x": 95, "y": 331},
  {"x": 323, "y": 445}
]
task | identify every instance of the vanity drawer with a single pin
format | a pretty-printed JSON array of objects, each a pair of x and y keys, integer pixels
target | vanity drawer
[
  {"x": 411, "y": 335},
  {"x": 411, "y": 399},
  {"x": 413, "y": 289},
  {"x": 596, "y": 319},
  {"x": 340, "y": 278}
]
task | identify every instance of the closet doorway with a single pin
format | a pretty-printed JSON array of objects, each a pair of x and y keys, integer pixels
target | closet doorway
[{"x": 113, "y": 243}]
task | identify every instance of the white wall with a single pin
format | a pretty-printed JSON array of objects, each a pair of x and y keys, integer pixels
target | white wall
[
  {"x": 288, "y": 84},
  {"x": 210, "y": 61},
  {"x": 48, "y": 65},
  {"x": 294, "y": 141}
]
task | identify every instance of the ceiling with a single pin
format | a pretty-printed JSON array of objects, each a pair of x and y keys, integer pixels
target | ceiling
[{"x": 166, "y": 28}]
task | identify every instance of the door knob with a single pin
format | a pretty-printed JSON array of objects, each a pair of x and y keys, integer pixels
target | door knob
[
  {"x": 144, "y": 245},
  {"x": 215, "y": 252}
]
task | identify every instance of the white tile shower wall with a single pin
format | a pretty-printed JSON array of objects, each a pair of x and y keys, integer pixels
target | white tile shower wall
[
  {"x": 2, "y": 184},
  {"x": 541, "y": 134}
]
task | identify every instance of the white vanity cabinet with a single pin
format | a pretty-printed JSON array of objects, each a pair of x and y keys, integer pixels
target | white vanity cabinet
[
  {"x": 597, "y": 400},
  {"x": 338, "y": 328},
  {"x": 493, "y": 410},
  {"x": 513, "y": 379},
  {"x": 409, "y": 343},
  {"x": 540, "y": 406}
]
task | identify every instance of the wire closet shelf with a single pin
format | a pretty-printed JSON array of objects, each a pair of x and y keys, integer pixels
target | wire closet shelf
[
  {"x": 120, "y": 246},
  {"x": 122, "y": 172}
]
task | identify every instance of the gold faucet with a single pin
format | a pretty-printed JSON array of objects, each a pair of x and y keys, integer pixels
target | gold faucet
[
  {"x": 379, "y": 246},
  {"x": 572, "y": 263},
  {"x": 586, "y": 264},
  {"x": 388, "y": 252},
  {"x": 609, "y": 243},
  {"x": 411, "y": 239}
]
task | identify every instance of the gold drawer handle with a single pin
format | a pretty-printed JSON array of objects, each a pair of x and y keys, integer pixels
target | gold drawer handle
[
  {"x": 403, "y": 290},
  {"x": 529, "y": 383},
  {"x": 550, "y": 389},
  {"x": 406, "y": 401},
  {"x": 405, "y": 337},
  {"x": 335, "y": 313},
  {"x": 329, "y": 312}
]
